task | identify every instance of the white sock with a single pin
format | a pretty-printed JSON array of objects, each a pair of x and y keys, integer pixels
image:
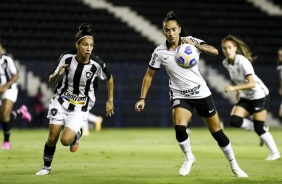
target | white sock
[
  {"x": 269, "y": 141},
  {"x": 186, "y": 147},
  {"x": 247, "y": 124},
  {"x": 229, "y": 154}
]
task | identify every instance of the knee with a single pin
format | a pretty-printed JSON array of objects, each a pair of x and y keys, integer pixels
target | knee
[
  {"x": 221, "y": 138},
  {"x": 181, "y": 134},
  {"x": 259, "y": 127},
  {"x": 236, "y": 121},
  {"x": 66, "y": 141}
]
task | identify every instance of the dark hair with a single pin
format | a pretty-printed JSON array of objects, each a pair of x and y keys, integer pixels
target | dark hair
[
  {"x": 172, "y": 16},
  {"x": 242, "y": 47},
  {"x": 85, "y": 29}
]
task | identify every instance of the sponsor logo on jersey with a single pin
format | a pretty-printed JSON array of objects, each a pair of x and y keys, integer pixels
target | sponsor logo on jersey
[
  {"x": 191, "y": 92},
  {"x": 74, "y": 99}
]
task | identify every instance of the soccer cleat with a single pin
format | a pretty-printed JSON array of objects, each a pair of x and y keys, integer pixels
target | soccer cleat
[
  {"x": 44, "y": 171},
  {"x": 273, "y": 156},
  {"x": 239, "y": 173},
  {"x": 74, "y": 146},
  {"x": 261, "y": 142},
  {"x": 186, "y": 167},
  {"x": 25, "y": 114},
  {"x": 6, "y": 145}
]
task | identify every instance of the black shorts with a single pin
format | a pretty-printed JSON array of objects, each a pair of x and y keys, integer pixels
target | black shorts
[
  {"x": 254, "y": 105},
  {"x": 204, "y": 106}
]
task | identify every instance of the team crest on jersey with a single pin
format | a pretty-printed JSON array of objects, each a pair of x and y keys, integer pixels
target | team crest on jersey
[
  {"x": 54, "y": 111},
  {"x": 89, "y": 74},
  {"x": 238, "y": 70},
  {"x": 4, "y": 65},
  {"x": 175, "y": 102}
]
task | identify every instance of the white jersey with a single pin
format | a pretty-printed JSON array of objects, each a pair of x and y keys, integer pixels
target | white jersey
[
  {"x": 238, "y": 71},
  {"x": 7, "y": 70},
  {"x": 77, "y": 89},
  {"x": 183, "y": 83}
]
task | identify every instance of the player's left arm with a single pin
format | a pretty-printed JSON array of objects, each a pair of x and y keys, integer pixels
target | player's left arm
[
  {"x": 9, "y": 83},
  {"x": 110, "y": 102}
]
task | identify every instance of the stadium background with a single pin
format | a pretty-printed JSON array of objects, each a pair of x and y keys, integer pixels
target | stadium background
[{"x": 37, "y": 32}]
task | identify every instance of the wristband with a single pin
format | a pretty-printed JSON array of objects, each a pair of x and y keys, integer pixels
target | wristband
[{"x": 142, "y": 99}]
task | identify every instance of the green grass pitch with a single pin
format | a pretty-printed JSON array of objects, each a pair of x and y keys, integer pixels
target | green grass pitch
[{"x": 138, "y": 155}]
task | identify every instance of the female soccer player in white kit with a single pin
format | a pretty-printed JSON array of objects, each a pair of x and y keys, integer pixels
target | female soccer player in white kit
[
  {"x": 92, "y": 118},
  {"x": 188, "y": 90},
  {"x": 251, "y": 93},
  {"x": 75, "y": 95}
]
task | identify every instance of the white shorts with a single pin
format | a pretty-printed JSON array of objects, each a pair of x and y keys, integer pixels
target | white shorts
[
  {"x": 61, "y": 116},
  {"x": 11, "y": 94}
]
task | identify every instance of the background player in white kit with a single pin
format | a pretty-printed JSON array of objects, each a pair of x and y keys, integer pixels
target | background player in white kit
[
  {"x": 8, "y": 96},
  {"x": 93, "y": 119},
  {"x": 75, "y": 94},
  {"x": 251, "y": 93},
  {"x": 188, "y": 90},
  {"x": 279, "y": 69}
]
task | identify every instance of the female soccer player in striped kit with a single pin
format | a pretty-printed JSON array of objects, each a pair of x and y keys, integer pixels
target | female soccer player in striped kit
[
  {"x": 188, "y": 90},
  {"x": 75, "y": 94},
  {"x": 8, "y": 96},
  {"x": 251, "y": 93}
]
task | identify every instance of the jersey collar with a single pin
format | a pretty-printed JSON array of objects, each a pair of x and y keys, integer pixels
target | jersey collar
[{"x": 167, "y": 44}]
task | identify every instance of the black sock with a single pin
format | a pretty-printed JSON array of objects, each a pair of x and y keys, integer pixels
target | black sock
[
  {"x": 48, "y": 154},
  {"x": 7, "y": 131}
]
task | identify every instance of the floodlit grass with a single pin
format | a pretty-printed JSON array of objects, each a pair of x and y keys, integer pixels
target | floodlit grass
[{"x": 145, "y": 156}]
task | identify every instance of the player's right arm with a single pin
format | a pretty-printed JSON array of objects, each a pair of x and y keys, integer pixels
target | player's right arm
[
  {"x": 201, "y": 45},
  {"x": 147, "y": 80},
  {"x": 53, "y": 77}
]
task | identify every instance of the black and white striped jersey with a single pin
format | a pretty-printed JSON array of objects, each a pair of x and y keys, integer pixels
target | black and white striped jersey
[
  {"x": 7, "y": 70},
  {"x": 77, "y": 89}
]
